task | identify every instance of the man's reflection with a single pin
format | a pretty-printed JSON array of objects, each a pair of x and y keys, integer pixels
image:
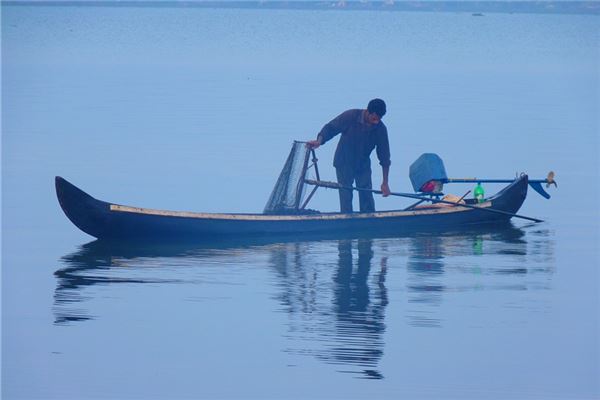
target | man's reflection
[
  {"x": 348, "y": 329},
  {"x": 359, "y": 315}
]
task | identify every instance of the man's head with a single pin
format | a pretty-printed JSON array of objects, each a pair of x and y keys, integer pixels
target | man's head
[{"x": 375, "y": 111}]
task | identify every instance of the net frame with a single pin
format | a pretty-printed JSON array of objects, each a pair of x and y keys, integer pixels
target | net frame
[{"x": 289, "y": 189}]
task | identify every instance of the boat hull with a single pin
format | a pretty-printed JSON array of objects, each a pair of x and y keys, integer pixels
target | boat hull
[{"x": 105, "y": 220}]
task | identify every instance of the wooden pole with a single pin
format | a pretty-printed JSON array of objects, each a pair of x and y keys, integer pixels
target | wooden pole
[{"x": 334, "y": 185}]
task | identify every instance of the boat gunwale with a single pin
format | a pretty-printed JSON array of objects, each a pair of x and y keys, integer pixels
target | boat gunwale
[
  {"x": 304, "y": 217},
  {"x": 105, "y": 220}
]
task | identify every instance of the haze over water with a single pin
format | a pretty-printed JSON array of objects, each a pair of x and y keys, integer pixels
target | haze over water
[{"x": 195, "y": 109}]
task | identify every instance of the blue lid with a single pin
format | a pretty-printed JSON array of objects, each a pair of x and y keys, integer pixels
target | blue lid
[{"x": 427, "y": 167}]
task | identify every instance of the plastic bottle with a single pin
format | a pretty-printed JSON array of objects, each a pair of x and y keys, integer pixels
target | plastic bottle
[{"x": 478, "y": 193}]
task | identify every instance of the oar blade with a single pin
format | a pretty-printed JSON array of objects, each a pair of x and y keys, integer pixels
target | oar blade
[{"x": 537, "y": 186}]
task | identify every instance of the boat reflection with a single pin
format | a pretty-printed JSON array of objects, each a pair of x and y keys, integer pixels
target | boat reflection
[
  {"x": 337, "y": 307},
  {"x": 334, "y": 292},
  {"x": 440, "y": 266},
  {"x": 425, "y": 283}
]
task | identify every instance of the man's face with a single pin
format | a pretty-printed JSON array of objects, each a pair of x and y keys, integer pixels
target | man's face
[{"x": 373, "y": 118}]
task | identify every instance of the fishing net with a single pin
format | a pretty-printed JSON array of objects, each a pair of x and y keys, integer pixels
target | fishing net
[{"x": 289, "y": 189}]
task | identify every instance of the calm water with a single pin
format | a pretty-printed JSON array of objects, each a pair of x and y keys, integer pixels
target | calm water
[{"x": 195, "y": 109}]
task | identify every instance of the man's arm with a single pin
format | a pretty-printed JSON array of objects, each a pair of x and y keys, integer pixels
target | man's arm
[
  {"x": 383, "y": 153},
  {"x": 385, "y": 188},
  {"x": 331, "y": 129}
]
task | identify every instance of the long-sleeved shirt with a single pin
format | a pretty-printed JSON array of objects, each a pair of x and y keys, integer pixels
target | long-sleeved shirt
[{"x": 358, "y": 140}]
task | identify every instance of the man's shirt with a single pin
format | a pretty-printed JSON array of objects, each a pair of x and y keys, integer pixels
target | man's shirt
[{"x": 358, "y": 140}]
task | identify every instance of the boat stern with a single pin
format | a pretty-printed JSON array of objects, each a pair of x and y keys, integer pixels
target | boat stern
[{"x": 511, "y": 198}]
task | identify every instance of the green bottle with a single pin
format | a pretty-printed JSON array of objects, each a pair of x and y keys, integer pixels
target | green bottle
[{"x": 478, "y": 193}]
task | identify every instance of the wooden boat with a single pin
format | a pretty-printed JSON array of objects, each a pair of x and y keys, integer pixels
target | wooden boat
[{"x": 105, "y": 220}]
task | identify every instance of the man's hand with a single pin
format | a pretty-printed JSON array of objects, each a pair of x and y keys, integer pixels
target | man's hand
[
  {"x": 313, "y": 144},
  {"x": 385, "y": 189}
]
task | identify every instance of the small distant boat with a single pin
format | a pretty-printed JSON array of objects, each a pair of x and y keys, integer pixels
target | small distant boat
[
  {"x": 110, "y": 221},
  {"x": 477, "y": 15}
]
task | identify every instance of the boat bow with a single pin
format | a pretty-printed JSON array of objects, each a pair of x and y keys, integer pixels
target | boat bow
[{"x": 84, "y": 211}]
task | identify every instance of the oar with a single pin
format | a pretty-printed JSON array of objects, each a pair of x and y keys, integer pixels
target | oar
[
  {"x": 334, "y": 185},
  {"x": 536, "y": 184}
]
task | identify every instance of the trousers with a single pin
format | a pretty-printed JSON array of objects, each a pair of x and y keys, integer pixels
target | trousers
[{"x": 347, "y": 176}]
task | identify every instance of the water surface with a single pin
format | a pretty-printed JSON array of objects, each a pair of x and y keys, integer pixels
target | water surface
[{"x": 196, "y": 109}]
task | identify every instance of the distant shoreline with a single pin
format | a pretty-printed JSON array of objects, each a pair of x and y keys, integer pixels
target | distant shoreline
[{"x": 479, "y": 8}]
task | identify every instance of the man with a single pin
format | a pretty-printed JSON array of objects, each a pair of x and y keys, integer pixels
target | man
[{"x": 362, "y": 131}]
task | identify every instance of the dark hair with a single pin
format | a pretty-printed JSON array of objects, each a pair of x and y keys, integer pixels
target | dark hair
[{"x": 377, "y": 106}]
